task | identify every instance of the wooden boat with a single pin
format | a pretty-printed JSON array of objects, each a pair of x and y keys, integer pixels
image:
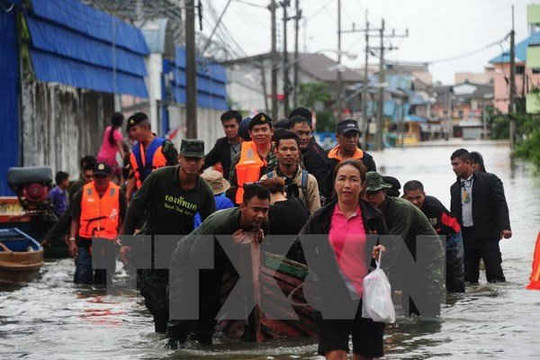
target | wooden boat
[
  {"x": 21, "y": 256},
  {"x": 289, "y": 275}
]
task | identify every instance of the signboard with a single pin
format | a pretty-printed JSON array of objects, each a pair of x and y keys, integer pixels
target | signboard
[
  {"x": 533, "y": 103},
  {"x": 533, "y": 14},
  {"x": 533, "y": 56}
]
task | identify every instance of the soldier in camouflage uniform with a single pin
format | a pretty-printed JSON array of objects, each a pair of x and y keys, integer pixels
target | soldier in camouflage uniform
[{"x": 407, "y": 221}]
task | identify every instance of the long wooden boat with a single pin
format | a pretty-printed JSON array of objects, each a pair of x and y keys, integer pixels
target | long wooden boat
[
  {"x": 21, "y": 256},
  {"x": 289, "y": 275}
]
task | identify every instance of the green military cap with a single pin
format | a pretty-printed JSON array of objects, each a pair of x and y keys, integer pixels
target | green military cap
[
  {"x": 375, "y": 182},
  {"x": 192, "y": 148}
]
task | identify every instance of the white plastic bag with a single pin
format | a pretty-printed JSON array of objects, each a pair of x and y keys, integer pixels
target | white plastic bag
[{"x": 377, "y": 302}]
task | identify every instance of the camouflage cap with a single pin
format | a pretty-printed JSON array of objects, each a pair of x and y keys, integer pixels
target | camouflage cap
[
  {"x": 375, "y": 182},
  {"x": 192, "y": 148}
]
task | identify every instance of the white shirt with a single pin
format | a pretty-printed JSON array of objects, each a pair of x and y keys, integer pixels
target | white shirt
[{"x": 466, "y": 201}]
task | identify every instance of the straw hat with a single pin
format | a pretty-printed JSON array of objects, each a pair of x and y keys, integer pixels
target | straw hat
[{"x": 216, "y": 181}]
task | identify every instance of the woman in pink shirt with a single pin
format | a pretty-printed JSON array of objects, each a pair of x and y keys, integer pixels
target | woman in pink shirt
[
  {"x": 338, "y": 261},
  {"x": 112, "y": 144}
]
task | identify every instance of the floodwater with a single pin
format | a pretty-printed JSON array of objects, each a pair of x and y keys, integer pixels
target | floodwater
[{"x": 51, "y": 318}]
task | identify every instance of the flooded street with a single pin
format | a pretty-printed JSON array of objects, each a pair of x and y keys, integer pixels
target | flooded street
[{"x": 53, "y": 319}]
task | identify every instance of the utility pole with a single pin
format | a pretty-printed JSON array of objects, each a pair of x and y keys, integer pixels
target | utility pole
[
  {"x": 339, "y": 78},
  {"x": 191, "y": 72},
  {"x": 380, "y": 108},
  {"x": 512, "y": 104},
  {"x": 297, "y": 18},
  {"x": 369, "y": 32},
  {"x": 365, "y": 124},
  {"x": 286, "y": 82},
  {"x": 274, "y": 69}
]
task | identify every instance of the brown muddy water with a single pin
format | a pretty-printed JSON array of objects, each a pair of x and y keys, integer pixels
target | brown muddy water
[{"x": 51, "y": 318}]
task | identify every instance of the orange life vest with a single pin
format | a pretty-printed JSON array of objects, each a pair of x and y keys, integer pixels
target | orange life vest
[
  {"x": 248, "y": 168},
  {"x": 143, "y": 163},
  {"x": 334, "y": 154},
  {"x": 99, "y": 216}
]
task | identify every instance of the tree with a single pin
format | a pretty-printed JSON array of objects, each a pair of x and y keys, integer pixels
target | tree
[{"x": 316, "y": 96}]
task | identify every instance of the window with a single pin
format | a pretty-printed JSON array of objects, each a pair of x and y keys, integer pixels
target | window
[{"x": 520, "y": 70}]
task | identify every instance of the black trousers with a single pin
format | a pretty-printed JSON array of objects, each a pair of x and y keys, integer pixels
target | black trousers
[
  {"x": 486, "y": 249},
  {"x": 154, "y": 290}
]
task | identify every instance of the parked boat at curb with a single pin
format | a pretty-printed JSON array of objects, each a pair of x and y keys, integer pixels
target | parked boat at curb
[{"x": 21, "y": 256}]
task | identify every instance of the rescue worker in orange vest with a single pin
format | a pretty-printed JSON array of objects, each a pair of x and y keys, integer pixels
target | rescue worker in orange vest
[
  {"x": 98, "y": 211},
  {"x": 256, "y": 157},
  {"x": 347, "y": 136},
  {"x": 150, "y": 152}
]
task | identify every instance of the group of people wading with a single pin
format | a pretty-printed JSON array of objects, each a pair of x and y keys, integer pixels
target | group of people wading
[{"x": 262, "y": 180}]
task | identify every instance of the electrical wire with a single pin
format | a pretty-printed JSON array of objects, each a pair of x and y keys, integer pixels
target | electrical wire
[
  {"x": 225, "y": 29},
  {"x": 469, "y": 53}
]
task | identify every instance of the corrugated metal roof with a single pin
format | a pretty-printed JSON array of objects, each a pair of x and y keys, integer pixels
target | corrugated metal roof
[
  {"x": 521, "y": 50},
  {"x": 9, "y": 96},
  {"x": 76, "y": 45},
  {"x": 211, "y": 81}
]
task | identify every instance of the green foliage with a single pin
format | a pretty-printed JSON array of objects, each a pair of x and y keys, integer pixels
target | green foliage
[
  {"x": 529, "y": 131},
  {"x": 312, "y": 94},
  {"x": 326, "y": 121},
  {"x": 315, "y": 96}
]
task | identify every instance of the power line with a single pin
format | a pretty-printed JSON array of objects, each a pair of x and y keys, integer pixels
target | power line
[
  {"x": 224, "y": 29},
  {"x": 321, "y": 9},
  {"x": 469, "y": 53}
]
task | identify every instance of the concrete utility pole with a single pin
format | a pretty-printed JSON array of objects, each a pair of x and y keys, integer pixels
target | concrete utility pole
[
  {"x": 365, "y": 124},
  {"x": 339, "y": 77},
  {"x": 274, "y": 69},
  {"x": 191, "y": 72},
  {"x": 286, "y": 81},
  {"x": 380, "y": 108},
  {"x": 512, "y": 104},
  {"x": 297, "y": 18}
]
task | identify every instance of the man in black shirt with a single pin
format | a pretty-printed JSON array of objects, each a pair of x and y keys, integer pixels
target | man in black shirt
[
  {"x": 313, "y": 155},
  {"x": 169, "y": 199},
  {"x": 228, "y": 147},
  {"x": 445, "y": 224},
  {"x": 347, "y": 136}
]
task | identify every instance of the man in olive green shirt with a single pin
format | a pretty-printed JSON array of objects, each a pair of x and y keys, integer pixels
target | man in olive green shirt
[
  {"x": 167, "y": 202},
  {"x": 410, "y": 224}
]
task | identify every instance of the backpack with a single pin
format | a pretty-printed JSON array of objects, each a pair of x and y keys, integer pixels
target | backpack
[{"x": 304, "y": 181}]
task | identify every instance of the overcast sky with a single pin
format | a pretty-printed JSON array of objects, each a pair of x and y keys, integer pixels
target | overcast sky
[{"x": 437, "y": 29}]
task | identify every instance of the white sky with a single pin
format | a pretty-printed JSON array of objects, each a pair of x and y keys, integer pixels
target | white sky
[{"x": 437, "y": 29}]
